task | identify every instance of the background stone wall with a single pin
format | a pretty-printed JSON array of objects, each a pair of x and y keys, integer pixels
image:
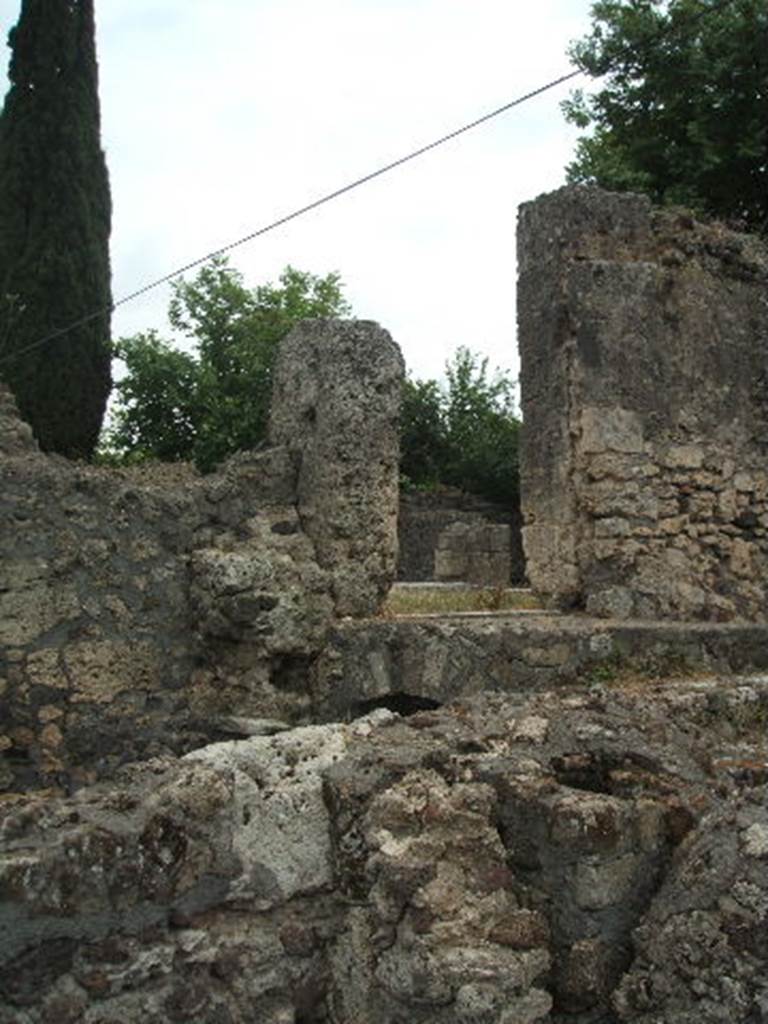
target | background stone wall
[
  {"x": 476, "y": 553},
  {"x": 428, "y": 522},
  {"x": 140, "y": 611},
  {"x": 644, "y": 347}
]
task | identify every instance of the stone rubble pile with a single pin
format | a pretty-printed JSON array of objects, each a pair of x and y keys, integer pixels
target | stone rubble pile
[{"x": 507, "y": 860}]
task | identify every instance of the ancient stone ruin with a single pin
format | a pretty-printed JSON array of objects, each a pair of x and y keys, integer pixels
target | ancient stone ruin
[
  {"x": 215, "y": 808},
  {"x": 140, "y": 616},
  {"x": 521, "y": 860},
  {"x": 644, "y": 349}
]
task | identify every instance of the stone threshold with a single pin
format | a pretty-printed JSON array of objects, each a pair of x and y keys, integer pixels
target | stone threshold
[
  {"x": 454, "y": 585},
  {"x": 500, "y": 614}
]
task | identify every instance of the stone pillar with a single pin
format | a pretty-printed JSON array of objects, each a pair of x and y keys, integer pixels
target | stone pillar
[
  {"x": 643, "y": 339},
  {"x": 335, "y": 405}
]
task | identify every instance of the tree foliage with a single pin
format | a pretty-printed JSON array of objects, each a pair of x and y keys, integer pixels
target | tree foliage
[
  {"x": 682, "y": 111},
  {"x": 206, "y": 404},
  {"x": 423, "y": 441},
  {"x": 55, "y": 214},
  {"x": 463, "y": 433},
  {"x": 202, "y": 405}
]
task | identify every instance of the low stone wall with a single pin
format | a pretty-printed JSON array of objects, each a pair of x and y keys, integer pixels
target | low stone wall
[
  {"x": 433, "y": 660},
  {"x": 644, "y": 365},
  {"x": 451, "y": 536},
  {"x": 474, "y": 553},
  {"x": 511, "y": 861},
  {"x": 140, "y": 611}
]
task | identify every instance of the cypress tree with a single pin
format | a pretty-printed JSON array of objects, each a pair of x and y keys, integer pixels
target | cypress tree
[{"x": 55, "y": 214}]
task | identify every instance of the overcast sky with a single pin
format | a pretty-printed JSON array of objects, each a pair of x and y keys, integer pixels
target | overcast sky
[{"x": 220, "y": 115}]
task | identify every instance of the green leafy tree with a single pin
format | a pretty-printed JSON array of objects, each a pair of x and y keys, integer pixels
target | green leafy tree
[
  {"x": 682, "y": 110},
  {"x": 214, "y": 401},
  {"x": 482, "y": 429},
  {"x": 159, "y": 405},
  {"x": 463, "y": 433},
  {"x": 55, "y": 214},
  {"x": 423, "y": 440}
]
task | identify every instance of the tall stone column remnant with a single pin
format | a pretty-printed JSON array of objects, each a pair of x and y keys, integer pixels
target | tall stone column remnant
[
  {"x": 644, "y": 376},
  {"x": 335, "y": 405}
]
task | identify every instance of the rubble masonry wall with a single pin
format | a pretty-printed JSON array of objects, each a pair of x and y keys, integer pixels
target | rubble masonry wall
[
  {"x": 141, "y": 611},
  {"x": 644, "y": 349}
]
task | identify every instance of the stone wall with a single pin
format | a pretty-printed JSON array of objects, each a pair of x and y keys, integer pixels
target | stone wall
[
  {"x": 432, "y": 661},
  {"x": 644, "y": 347},
  {"x": 149, "y": 612},
  {"x": 576, "y": 836},
  {"x": 430, "y": 523},
  {"x": 474, "y": 553}
]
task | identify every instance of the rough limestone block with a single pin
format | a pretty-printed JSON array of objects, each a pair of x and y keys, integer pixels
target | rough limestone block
[
  {"x": 551, "y": 559},
  {"x": 268, "y": 590},
  {"x": 612, "y": 527},
  {"x": 684, "y": 456},
  {"x": 499, "y": 538},
  {"x": 611, "y": 429},
  {"x": 335, "y": 404},
  {"x": 450, "y": 565},
  {"x": 284, "y": 842}
]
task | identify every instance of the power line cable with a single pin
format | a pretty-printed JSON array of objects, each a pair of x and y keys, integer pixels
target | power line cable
[
  {"x": 352, "y": 185},
  {"x": 668, "y": 29},
  {"x": 292, "y": 216}
]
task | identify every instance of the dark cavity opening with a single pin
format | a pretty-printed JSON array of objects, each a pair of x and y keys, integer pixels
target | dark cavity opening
[
  {"x": 616, "y": 775},
  {"x": 582, "y": 771},
  {"x": 404, "y": 704}
]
